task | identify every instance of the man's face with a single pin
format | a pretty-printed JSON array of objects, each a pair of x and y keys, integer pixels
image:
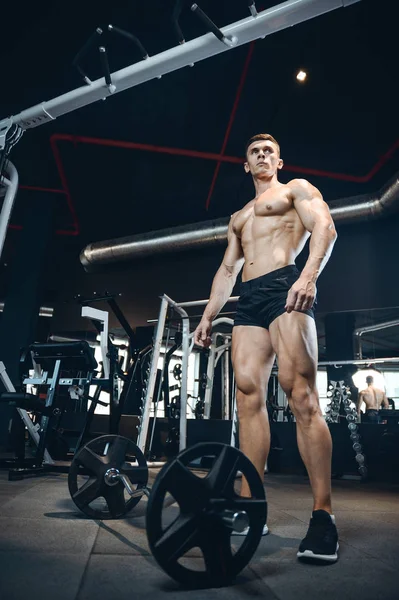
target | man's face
[{"x": 263, "y": 159}]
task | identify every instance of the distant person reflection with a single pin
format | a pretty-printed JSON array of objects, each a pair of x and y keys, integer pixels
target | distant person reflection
[{"x": 373, "y": 398}]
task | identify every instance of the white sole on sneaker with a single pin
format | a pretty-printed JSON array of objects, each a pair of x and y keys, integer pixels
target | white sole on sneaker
[
  {"x": 325, "y": 557},
  {"x": 245, "y": 532}
]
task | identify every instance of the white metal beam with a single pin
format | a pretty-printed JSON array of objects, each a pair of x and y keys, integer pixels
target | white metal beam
[{"x": 276, "y": 18}]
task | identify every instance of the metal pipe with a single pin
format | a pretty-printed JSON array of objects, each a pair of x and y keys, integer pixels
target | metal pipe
[
  {"x": 184, "y": 371},
  {"x": 357, "y": 334},
  {"x": 210, "y": 372},
  {"x": 187, "y": 237},
  {"x": 210, "y": 233},
  {"x": 183, "y": 389},
  {"x": 8, "y": 202},
  {"x": 226, "y": 382},
  {"x": 269, "y": 21},
  {"x": 368, "y": 361},
  {"x": 367, "y": 207},
  {"x": 203, "y": 302},
  {"x": 376, "y": 327}
]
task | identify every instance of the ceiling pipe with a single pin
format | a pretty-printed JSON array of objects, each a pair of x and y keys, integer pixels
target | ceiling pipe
[{"x": 211, "y": 233}]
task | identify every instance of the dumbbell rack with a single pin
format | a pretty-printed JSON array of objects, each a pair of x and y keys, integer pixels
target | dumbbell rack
[{"x": 340, "y": 395}]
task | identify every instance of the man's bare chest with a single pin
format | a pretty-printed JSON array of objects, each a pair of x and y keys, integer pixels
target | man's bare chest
[{"x": 267, "y": 211}]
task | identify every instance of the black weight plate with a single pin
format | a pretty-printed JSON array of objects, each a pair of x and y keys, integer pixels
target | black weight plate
[
  {"x": 198, "y": 523},
  {"x": 86, "y": 479},
  {"x": 177, "y": 372}
]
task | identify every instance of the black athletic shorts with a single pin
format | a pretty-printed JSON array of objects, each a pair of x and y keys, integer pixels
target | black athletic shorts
[
  {"x": 263, "y": 299},
  {"x": 372, "y": 416}
]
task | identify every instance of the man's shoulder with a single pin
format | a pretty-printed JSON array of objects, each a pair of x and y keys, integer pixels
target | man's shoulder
[
  {"x": 298, "y": 181},
  {"x": 301, "y": 185}
]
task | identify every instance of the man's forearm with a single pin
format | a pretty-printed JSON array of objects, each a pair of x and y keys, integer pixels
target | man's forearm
[
  {"x": 222, "y": 287},
  {"x": 358, "y": 407},
  {"x": 321, "y": 244}
]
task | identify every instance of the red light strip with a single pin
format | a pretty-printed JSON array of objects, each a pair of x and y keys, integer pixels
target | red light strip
[
  {"x": 220, "y": 158},
  {"x": 231, "y": 120}
]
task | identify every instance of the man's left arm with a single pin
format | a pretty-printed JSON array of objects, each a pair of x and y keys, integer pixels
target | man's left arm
[
  {"x": 316, "y": 218},
  {"x": 385, "y": 402}
]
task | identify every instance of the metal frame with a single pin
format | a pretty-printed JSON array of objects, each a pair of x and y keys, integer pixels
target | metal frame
[
  {"x": 166, "y": 303},
  {"x": 45, "y": 420},
  {"x": 9, "y": 199},
  {"x": 32, "y": 429},
  {"x": 102, "y": 316},
  {"x": 277, "y": 18},
  {"x": 215, "y": 353},
  {"x": 357, "y": 334}
]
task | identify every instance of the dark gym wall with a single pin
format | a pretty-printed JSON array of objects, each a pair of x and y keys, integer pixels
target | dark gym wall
[{"x": 361, "y": 274}]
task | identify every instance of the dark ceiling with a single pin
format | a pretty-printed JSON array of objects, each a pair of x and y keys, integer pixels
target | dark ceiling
[
  {"x": 342, "y": 120},
  {"x": 340, "y": 129}
]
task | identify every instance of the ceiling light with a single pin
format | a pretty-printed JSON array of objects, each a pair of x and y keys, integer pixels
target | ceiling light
[
  {"x": 359, "y": 379},
  {"x": 301, "y": 75}
]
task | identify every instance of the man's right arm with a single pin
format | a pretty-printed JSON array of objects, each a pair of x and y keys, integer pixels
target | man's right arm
[
  {"x": 226, "y": 276},
  {"x": 222, "y": 285}
]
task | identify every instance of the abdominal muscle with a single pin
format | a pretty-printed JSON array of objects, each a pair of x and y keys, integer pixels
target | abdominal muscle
[{"x": 271, "y": 238}]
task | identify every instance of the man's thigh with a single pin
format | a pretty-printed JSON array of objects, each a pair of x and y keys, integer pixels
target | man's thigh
[
  {"x": 252, "y": 354},
  {"x": 294, "y": 339}
]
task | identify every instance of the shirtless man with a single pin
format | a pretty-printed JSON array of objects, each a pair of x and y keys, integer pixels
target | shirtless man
[
  {"x": 373, "y": 399},
  {"x": 275, "y": 317}
]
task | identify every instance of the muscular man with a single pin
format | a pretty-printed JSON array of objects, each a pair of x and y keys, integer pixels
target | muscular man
[
  {"x": 373, "y": 399},
  {"x": 275, "y": 317}
]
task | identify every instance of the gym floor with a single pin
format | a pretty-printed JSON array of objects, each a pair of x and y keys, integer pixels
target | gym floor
[{"x": 49, "y": 550}]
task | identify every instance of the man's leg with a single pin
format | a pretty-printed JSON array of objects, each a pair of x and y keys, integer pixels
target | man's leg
[
  {"x": 252, "y": 357},
  {"x": 294, "y": 339}
]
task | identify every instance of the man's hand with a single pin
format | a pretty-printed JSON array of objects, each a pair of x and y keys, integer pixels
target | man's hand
[
  {"x": 202, "y": 335},
  {"x": 301, "y": 295}
]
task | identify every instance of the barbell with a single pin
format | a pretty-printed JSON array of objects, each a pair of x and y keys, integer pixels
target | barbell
[{"x": 188, "y": 507}]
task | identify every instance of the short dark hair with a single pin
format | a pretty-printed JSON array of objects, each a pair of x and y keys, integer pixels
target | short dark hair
[
  {"x": 259, "y": 137},
  {"x": 369, "y": 379}
]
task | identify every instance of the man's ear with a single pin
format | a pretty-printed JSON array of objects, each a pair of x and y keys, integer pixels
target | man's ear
[
  {"x": 280, "y": 163},
  {"x": 246, "y": 167}
]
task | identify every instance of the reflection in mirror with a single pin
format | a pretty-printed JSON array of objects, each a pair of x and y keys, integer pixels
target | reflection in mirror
[
  {"x": 372, "y": 333},
  {"x": 373, "y": 386}
]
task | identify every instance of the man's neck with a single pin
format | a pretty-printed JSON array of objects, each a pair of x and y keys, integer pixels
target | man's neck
[{"x": 262, "y": 185}]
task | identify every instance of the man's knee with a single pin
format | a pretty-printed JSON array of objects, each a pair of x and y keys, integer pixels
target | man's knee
[
  {"x": 304, "y": 403},
  {"x": 250, "y": 396},
  {"x": 247, "y": 381}
]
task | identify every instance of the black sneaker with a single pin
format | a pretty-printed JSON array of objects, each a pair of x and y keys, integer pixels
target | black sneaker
[{"x": 321, "y": 541}]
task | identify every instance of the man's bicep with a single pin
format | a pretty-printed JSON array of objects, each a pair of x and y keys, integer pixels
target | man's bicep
[{"x": 310, "y": 206}]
